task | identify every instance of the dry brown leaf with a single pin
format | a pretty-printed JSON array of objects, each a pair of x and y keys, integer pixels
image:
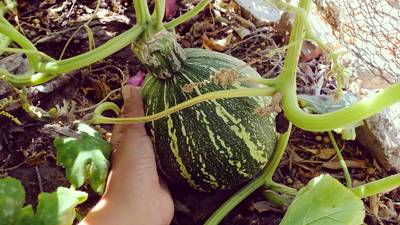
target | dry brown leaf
[
  {"x": 334, "y": 165},
  {"x": 374, "y": 204},
  {"x": 309, "y": 51},
  {"x": 295, "y": 157},
  {"x": 213, "y": 45},
  {"x": 326, "y": 153},
  {"x": 264, "y": 206},
  {"x": 310, "y": 150},
  {"x": 387, "y": 210}
]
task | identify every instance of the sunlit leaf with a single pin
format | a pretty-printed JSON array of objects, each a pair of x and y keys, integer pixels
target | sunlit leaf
[
  {"x": 84, "y": 158},
  {"x": 12, "y": 199},
  {"x": 325, "y": 201},
  {"x": 58, "y": 208},
  {"x": 25, "y": 216}
]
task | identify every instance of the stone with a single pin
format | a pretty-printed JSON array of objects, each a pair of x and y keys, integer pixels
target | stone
[{"x": 380, "y": 134}]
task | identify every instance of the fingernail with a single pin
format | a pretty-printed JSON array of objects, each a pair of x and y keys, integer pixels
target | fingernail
[{"x": 126, "y": 92}]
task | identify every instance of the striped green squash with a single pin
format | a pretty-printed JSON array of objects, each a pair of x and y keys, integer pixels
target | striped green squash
[{"x": 216, "y": 144}]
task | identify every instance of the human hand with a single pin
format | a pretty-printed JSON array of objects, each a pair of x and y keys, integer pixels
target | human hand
[{"x": 134, "y": 194}]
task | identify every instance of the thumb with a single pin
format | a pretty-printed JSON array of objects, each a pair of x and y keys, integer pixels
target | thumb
[{"x": 133, "y": 107}]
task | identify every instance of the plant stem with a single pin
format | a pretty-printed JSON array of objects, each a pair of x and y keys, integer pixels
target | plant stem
[
  {"x": 86, "y": 25},
  {"x": 142, "y": 12},
  {"x": 27, "y": 52},
  {"x": 7, "y": 29},
  {"x": 159, "y": 12},
  {"x": 188, "y": 15},
  {"x": 281, "y": 188},
  {"x": 341, "y": 160},
  {"x": 327, "y": 121},
  {"x": 383, "y": 185},
  {"x": 225, "y": 208},
  {"x": 340, "y": 118},
  {"x": 99, "y": 53},
  {"x": 280, "y": 149},
  {"x": 235, "y": 93}
]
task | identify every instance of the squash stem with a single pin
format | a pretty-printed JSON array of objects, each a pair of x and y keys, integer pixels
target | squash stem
[
  {"x": 341, "y": 160},
  {"x": 21, "y": 40},
  {"x": 276, "y": 158},
  {"x": 188, "y": 15},
  {"x": 87, "y": 58},
  {"x": 340, "y": 118},
  {"x": 328, "y": 121},
  {"x": 264, "y": 178},
  {"x": 159, "y": 12},
  {"x": 383, "y": 185},
  {"x": 273, "y": 186},
  {"x": 268, "y": 82},
  {"x": 243, "y": 92},
  {"x": 142, "y": 12},
  {"x": 27, "y": 52}
]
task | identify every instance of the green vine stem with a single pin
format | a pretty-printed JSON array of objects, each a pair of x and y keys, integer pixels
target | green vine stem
[
  {"x": 328, "y": 121},
  {"x": 341, "y": 160},
  {"x": 382, "y": 185},
  {"x": 99, "y": 53},
  {"x": 277, "y": 187},
  {"x": 7, "y": 29},
  {"x": 58, "y": 67},
  {"x": 264, "y": 178},
  {"x": 142, "y": 12},
  {"x": 340, "y": 118},
  {"x": 242, "y": 92},
  {"x": 310, "y": 35},
  {"x": 159, "y": 12},
  {"x": 188, "y": 15},
  {"x": 27, "y": 52}
]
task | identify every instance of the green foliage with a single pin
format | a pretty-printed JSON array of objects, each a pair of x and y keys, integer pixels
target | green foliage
[
  {"x": 325, "y": 201},
  {"x": 12, "y": 198},
  {"x": 84, "y": 158},
  {"x": 57, "y": 208}
]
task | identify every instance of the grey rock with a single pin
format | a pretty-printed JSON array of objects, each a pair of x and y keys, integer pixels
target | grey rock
[{"x": 381, "y": 135}]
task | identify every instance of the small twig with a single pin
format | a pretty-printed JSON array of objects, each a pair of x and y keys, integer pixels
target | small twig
[
  {"x": 12, "y": 168},
  {"x": 79, "y": 28},
  {"x": 39, "y": 178}
]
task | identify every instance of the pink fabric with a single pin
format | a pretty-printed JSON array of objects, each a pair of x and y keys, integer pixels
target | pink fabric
[
  {"x": 137, "y": 80},
  {"x": 170, "y": 8}
]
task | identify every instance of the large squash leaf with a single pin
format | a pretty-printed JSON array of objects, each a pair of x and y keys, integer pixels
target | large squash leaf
[
  {"x": 325, "y": 201},
  {"x": 84, "y": 158},
  {"x": 58, "y": 208},
  {"x": 12, "y": 198}
]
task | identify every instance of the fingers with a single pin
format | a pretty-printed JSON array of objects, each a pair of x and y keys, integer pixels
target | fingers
[{"x": 133, "y": 107}]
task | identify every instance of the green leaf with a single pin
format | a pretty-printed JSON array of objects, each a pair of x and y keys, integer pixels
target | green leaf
[
  {"x": 84, "y": 158},
  {"x": 325, "y": 201},
  {"x": 25, "y": 216},
  {"x": 325, "y": 104},
  {"x": 12, "y": 198},
  {"x": 58, "y": 208}
]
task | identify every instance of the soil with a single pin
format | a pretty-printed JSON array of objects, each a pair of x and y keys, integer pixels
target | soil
[{"x": 27, "y": 151}]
